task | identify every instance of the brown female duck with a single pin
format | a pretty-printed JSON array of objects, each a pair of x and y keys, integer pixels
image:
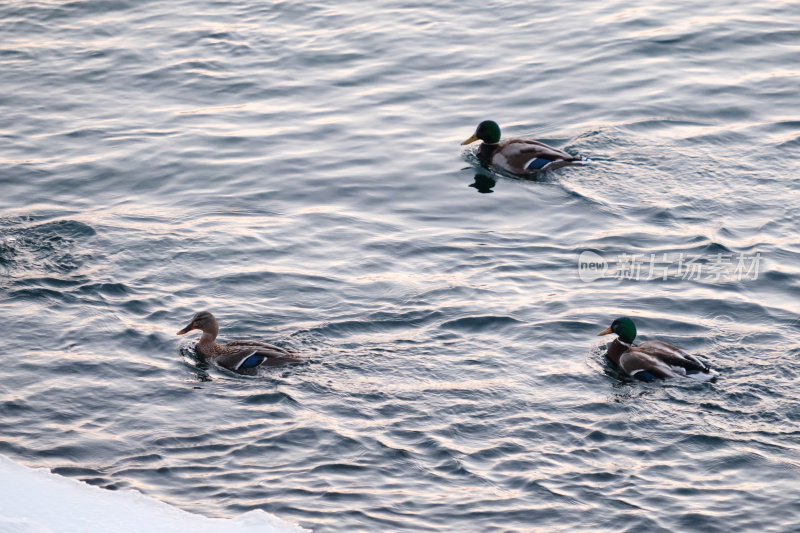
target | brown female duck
[
  {"x": 518, "y": 156},
  {"x": 238, "y": 356},
  {"x": 651, "y": 360}
]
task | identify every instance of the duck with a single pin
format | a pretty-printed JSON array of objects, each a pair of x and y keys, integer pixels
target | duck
[
  {"x": 238, "y": 356},
  {"x": 523, "y": 157},
  {"x": 651, "y": 360}
]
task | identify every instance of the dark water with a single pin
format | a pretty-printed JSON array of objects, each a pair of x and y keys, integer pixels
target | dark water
[{"x": 294, "y": 167}]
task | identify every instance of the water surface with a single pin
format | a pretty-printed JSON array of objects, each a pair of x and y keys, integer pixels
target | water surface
[{"x": 295, "y": 168}]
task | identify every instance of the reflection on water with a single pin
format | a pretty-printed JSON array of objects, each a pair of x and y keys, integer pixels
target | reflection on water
[{"x": 483, "y": 183}]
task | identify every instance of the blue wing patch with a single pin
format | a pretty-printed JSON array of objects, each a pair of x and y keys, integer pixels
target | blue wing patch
[
  {"x": 251, "y": 361},
  {"x": 537, "y": 164},
  {"x": 644, "y": 375}
]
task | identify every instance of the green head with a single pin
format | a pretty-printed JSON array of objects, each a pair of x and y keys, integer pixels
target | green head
[
  {"x": 624, "y": 328},
  {"x": 488, "y": 131}
]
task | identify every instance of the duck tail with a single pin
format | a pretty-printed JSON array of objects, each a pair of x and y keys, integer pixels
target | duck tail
[{"x": 706, "y": 375}]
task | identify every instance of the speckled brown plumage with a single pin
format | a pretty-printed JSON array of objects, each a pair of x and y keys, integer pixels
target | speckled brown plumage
[{"x": 234, "y": 353}]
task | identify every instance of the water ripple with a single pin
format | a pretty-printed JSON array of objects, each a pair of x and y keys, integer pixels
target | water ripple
[{"x": 295, "y": 168}]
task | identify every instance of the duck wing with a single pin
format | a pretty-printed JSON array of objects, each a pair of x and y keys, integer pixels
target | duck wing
[
  {"x": 259, "y": 344},
  {"x": 638, "y": 364},
  {"x": 239, "y": 355},
  {"x": 674, "y": 356},
  {"x": 526, "y": 155},
  {"x": 663, "y": 360}
]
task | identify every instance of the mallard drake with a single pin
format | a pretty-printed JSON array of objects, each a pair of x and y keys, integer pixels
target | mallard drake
[
  {"x": 238, "y": 356},
  {"x": 518, "y": 156},
  {"x": 652, "y": 359}
]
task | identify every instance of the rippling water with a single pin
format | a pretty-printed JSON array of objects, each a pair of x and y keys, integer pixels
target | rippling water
[{"x": 294, "y": 167}]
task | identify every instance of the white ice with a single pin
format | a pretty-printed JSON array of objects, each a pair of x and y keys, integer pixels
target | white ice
[{"x": 38, "y": 501}]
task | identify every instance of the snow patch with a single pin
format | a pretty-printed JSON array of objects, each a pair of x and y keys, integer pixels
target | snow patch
[{"x": 38, "y": 501}]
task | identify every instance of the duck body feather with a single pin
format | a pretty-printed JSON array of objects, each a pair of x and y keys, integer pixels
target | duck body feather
[
  {"x": 240, "y": 356},
  {"x": 523, "y": 156},
  {"x": 657, "y": 360}
]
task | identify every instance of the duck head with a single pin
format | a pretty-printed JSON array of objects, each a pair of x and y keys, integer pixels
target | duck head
[
  {"x": 488, "y": 131},
  {"x": 205, "y": 322},
  {"x": 624, "y": 328}
]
